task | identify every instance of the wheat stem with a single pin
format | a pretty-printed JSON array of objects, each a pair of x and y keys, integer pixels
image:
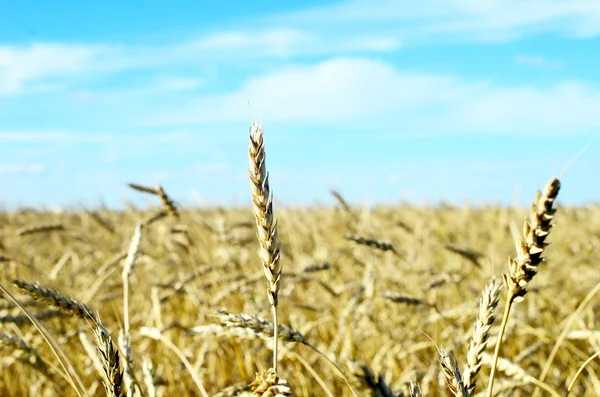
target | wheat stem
[{"x": 509, "y": 303}]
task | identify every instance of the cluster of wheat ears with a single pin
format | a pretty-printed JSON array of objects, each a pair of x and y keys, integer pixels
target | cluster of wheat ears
[{"x": 390, "y": 289}]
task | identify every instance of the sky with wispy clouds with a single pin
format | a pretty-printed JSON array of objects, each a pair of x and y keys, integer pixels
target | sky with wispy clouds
[{"x": 384, "y": 101}]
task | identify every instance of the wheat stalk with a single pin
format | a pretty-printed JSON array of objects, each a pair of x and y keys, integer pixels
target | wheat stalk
[
  {"x": 124, "y": 336},
  {"x": 467, "y": 253},
  {"x": 56, "y": 299},
  {"x": 110, "y": 358},
  {"x": 366, "y": 377},
  {"x": 524, "y": 267},
  {"x": 341, "y": 201},
  {"x": 452, "y": 373},
  {"x": 156, "y": 334},
  {"x": 35, "y": 229},
  {"x": 268, "y": 384},
  {"x": 167, "y": 202},
  {"x": 71, "y": 375},
  {"x": 18, "y": 320},
  {"x": 530, "y": 248},
  {"x": 415, "y": 390},
  {"x": 103, "y": 223},
  {"x": 153, "y": 218},
  {"x": 221, "y": 331},
  {"x": 400, "y": 298},
  {"x": 371, "y": 242},
  {"x": 143, "y": 189},
  {"x": 487, "y": 314},
  {"x": 262, "y": 200},
  {"x": 260, "y": 326},
  {"x": 169, "y": 205},
  {"x": 108, "y": 354},
  {"x": 517, "y": 373},
  {"x": 148, "y": 371}
]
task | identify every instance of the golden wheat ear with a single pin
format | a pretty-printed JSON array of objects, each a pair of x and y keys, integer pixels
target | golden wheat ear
[
  {"x": 479, "y": 339},
  {"x": 452, "y": 373},
  {"x": 531, "y": 246},
  {"x": 525, "y": 266},
  {"x": 262, "y": 201},
  {"x": 268, "y": 384},
  {"x": 67, "y": 366}
]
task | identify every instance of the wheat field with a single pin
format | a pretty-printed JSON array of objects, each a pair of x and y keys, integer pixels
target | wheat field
[{"x": 370, "y": 301}]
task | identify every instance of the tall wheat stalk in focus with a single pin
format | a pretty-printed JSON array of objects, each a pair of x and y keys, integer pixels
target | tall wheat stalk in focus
[
  {"x": 262, "y": 200},
  {"x": 524, "y": 267}
]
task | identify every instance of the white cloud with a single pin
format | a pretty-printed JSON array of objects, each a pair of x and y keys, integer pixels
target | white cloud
[
  {"x": 516, "y": 18},
  {"x": 85, "y": 137},
  {"x": 471, "y": 20},
  {"x": 329, "y": 30},
  {"x": 566, "y": 108},
  {"x": 49, "y": 136},
  {"x": 537, "y": 61},
  {"x": 331, "y": 91},
  {"x": 26, "y": 136},
  {"x": 21, "y": 168},
  {"x": 364, "y": 93},
  {"x": 20, "y": 66},
  {"x": 285, "y": 43},
  {"x": 343, "y": 92},
  {"x": 29, "y": 68},
  {"x": 277, "y": 42}
]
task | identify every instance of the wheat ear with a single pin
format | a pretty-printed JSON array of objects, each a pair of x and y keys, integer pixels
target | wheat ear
[
  {"x": 124, "y": 336},
  {"x": 262, "y": 201},
  {"x": 524, "y": 267},
  {"x": 486, "y": 317},
  {"x": 259, "y": 326},
  {"x": 169, "y": 205},
  {"x": 66, "y": 365},
  {"x": 110, "y": 358},
  {"x": 268, "y": 384},
  {"x": 371, "y": 242},
  {"x": 55, "y": 298},
  {"x": 415, "y": 390},
  {"x": 369, "y": 381},
  {"x": 452, "y": 373},
  {"x": 34, "y": 229}
]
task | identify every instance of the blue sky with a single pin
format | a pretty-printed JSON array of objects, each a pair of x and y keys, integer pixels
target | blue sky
[{"x": 385, "y": 101}]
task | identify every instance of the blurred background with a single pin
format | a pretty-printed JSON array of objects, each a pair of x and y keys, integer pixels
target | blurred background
[{"x": 384, "y": 101}]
